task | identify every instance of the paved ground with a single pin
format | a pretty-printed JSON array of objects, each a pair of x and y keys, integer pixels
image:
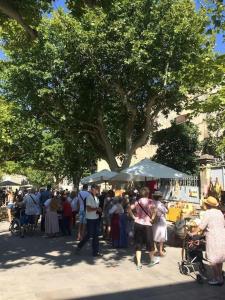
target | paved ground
[{"x": 37, "y": 268}]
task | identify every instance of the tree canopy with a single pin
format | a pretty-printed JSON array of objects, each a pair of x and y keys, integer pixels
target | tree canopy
[
  {"x": 26, "y": 13},
  {"x": 104, "y": 77},
  {"x": 216, "y": 11},
  {"x": 41, "y": 153},
  {"x": 178, "y": 146}
]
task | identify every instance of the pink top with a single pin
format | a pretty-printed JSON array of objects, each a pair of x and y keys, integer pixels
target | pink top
[{"x": 141, "y": 217}]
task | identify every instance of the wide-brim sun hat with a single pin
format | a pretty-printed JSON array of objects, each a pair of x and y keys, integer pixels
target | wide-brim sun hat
[
  {"x": 192, "y": 223},
  {"x": 157, "y": 194},
  {"x": 211, "y": 201}
]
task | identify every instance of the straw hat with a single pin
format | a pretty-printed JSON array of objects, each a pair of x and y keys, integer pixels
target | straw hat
[
  {"x": 157, "y": 194},
  {"x": 192, "y": 223},
  {"x": 211, "y": 201}
]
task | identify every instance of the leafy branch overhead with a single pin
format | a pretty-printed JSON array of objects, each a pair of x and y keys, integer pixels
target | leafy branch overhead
[{"x": 27, "y": 13}]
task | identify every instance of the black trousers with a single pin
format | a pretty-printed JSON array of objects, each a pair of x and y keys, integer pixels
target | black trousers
[{"x": 92, "y": 231}]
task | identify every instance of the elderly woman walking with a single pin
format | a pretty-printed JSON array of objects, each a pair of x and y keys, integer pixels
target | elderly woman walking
[
  {"x": 213, "y": 224},
  {"x": 160, "y": 226},
  {"x": 143, "y": 234}
]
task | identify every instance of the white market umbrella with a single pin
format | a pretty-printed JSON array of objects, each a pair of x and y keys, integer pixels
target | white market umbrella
[
  {"x": 147, "y": 169},
  {"x": 125, "y": 177},
  {"x": 6, "y": 183},
  {"x": 98, "y": 177}
]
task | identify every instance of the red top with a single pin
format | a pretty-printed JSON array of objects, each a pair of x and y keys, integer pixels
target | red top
[{"x": 67, "y": 209}]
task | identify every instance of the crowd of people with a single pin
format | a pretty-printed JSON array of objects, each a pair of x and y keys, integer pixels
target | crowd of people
[{"x": 132, "y": 219}]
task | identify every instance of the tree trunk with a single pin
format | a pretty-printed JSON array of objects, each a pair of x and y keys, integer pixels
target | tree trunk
[{"x": 76, "y": 180}]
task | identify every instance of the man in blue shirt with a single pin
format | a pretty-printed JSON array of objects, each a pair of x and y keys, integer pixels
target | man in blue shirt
[{"x": 45, "y": 195}]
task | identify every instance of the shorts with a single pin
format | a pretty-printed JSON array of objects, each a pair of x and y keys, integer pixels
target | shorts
[
  {"x": 143, "y": 234},
  {"x": 10, "y": 205},
  {"x": 82, "y": 217}
]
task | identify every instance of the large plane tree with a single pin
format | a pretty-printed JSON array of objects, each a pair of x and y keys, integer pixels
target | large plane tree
[{"x": 108, "y": 74}]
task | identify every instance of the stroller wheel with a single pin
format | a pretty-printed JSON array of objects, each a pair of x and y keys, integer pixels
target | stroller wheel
[
  {"x": 180, "y": 268},
  {"x": 199, "y": 278},
  {"x": 185, "y": 270},
  {"x": 15, "y": 227}
]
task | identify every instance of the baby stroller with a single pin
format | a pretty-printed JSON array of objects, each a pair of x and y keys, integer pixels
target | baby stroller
[
  {"x": 21, "y": 223},
  {"x": 192, "y": 257},
  {"x": 15, "y": 226}
]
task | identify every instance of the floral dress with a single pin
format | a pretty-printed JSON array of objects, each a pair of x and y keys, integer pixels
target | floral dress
[
  {"x": 160, "y": 228},
  {"x": 214, "y": 224}
]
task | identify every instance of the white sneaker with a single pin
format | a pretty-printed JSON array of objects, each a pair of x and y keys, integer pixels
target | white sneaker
[{"x": 154, "y": 262}]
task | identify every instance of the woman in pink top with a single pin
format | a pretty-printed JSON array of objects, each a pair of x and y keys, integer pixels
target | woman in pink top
[{"x": 145, "y": 214}]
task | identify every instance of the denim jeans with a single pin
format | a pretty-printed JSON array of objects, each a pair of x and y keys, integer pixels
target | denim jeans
[{"x": 92, "y": 231}]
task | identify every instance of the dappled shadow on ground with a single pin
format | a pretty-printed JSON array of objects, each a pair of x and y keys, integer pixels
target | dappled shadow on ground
[
  {"x": 179, "y": 291},
  {"x": 58, "y": 252}
]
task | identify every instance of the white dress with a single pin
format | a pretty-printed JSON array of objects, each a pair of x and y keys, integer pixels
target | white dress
[
  {"x": 51, "y": 219},
  {"x": 160, "y": 228},
  {"x": 214, "y": 225}
]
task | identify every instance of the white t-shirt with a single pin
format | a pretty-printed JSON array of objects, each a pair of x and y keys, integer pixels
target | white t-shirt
[
  {"x": 93, "y": 202},
  {"x": 81, "y": 196}
]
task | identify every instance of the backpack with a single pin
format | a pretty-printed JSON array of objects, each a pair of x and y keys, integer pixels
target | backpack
[{"x": 84, "y": 201}]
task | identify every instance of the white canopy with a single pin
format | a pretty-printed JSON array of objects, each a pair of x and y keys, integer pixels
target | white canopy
[
  {"x": 147, "y": 170},
  {"x": 98, "y": 177},
  {"x": 6, "y": 183}
]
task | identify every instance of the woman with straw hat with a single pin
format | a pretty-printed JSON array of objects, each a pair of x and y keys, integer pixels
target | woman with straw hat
[{"x": 213, "y": 224}]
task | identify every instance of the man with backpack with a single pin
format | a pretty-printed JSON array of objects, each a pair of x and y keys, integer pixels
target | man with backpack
[{"x": 82, "y": 196}]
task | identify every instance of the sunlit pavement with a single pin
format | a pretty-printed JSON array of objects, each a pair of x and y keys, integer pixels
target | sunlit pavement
[{"x": 45, "y": 269}]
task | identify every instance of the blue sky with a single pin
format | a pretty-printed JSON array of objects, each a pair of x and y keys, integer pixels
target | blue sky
[{"x": 220, "y": 45}]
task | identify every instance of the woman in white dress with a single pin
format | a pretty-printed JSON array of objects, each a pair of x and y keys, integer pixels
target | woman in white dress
[
  {"x": 160, "y": 226},
  {"x": 51, "y": 217}
]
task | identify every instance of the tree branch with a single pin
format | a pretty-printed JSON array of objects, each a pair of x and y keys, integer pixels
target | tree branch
[
  {"x": 204, "y": 96},
  {"x": 108, "y": 148},
  {"x": 149, "y": 122},
  {"x": 8, "y": 9},
  {"x": 132, "y": 113}
]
